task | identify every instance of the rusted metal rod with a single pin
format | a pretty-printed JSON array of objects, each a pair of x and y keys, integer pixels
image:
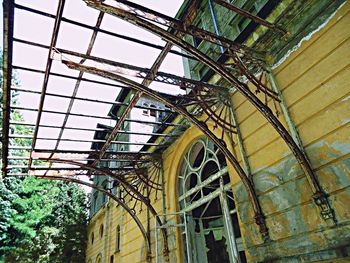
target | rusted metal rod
[
  {"x": 84, "y": 159},
  {"x": 54, "y": 37},
  {"x": 62, "y": 168},
  {"x": 89, "y": 141},
  {"x": 89, "y": 100},
  {"x": 91, "y": 130},
  {"x": 110, "y": 154},
  {"x": 78, "y": 82},
  {"x": 68, "y": 174},
  {"x": 95, "y": 152},
  {"x": 139, "y": 72},
  {"x": 92, "y": 116},
  {"x": 68, "y": 77},
  {"x": 19, "y": 147}
]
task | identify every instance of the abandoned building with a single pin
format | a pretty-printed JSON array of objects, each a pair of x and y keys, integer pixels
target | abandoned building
[{"x": 243, "y": 156}]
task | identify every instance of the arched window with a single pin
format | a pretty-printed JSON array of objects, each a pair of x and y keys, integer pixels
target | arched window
[
  {"x": 99, "y": 258},
  {"x": 94, "y": 203},
  {"x": 117, "y": 239},
  {"x": 212, "y": 231},
  {"x": 116, "y": 190},
  {"x": 105, "y": 187},
  {"x": 101, "y": 231}
]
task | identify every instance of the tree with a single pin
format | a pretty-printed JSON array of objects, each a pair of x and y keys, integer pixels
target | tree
[
  {"x": 9, "y": 188},
  {"x": 40, "y": 220},
  {"x": 72, "y": 219},
  {"x": 49, "y": 224}
]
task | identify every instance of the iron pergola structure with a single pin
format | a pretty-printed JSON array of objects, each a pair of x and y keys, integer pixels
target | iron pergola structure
[{"x": 204, "y": 105}]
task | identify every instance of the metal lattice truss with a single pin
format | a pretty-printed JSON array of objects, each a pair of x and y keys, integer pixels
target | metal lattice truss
[{"x": 138, "y": 173}]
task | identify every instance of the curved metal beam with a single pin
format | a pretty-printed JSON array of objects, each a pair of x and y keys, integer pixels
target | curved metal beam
[
  {"x": 120, "y": 202},
  {"x": 140, "y": 72},
  {"x": 125, "y": 184},
  {"x": 259, "y": 218},
  {"x": 319, "y": 195}
]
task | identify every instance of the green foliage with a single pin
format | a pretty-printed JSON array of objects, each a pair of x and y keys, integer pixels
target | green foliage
[
  {"x": 45, "y": 221},
  {"x": 9, "y": 189}
]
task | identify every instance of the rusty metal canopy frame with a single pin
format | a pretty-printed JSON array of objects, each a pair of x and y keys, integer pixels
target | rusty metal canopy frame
[{"x": 202, "y": 105}]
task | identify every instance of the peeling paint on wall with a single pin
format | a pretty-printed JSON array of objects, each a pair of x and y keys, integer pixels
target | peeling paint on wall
[{"x": 306, "y": 38}]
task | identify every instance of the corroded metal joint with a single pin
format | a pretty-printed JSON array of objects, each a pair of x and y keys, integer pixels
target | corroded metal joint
[
  {"x": 149, "y": 257},
  {"x": 321, "y": 200},
  {"x": 260, "y": 221},
  {"x": 203, "y": 124},
  {"x": 166, "y": 254},
  {"x": 223, "y": 142}
]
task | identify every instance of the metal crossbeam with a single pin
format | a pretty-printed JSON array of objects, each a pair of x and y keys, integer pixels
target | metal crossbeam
[
  {"x": 145, "y": 73},
  {"x": 90, "y": 130},
  {"x": 68, "y": 76},
  {"x": 83, "y": 159},
  {"x": 112, "y": 103},
  {"x": 92, "y": 116},
  {"x": 62, "y": 168},
  {"x": 89, "y": 141},
  {"x": 94, "y": 152}
]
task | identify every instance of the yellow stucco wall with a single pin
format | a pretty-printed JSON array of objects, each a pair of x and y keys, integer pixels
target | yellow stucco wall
[{"x": 315, "y": 83}]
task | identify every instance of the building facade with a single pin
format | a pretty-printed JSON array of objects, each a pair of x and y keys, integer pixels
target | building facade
[
  {"x": 205, "y": 206},
  {"x": 105, "y": 232}
]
